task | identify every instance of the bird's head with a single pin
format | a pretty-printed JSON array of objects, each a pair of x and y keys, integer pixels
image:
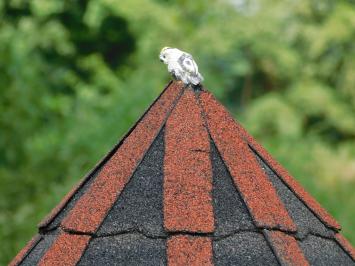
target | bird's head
[{"x": 164, "y": 54}]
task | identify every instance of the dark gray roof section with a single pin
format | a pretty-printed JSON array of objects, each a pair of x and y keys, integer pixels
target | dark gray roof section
[
  {"x": 244, "y": 248},
  {"x": 305, "y": 220},
  {"x": 126, "y": 249},
  {"x": 139, "y": 208},
  {"x": 39, "y": 249},
  {"x": 230, "y": 212},
  {"x": 322, "y": 251}
]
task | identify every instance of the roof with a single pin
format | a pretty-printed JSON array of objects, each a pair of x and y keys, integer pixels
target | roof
[{"x": 188, "y": 185}]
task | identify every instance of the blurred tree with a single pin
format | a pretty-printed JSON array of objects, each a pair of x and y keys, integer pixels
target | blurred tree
[{"x": 74, "y": 75}]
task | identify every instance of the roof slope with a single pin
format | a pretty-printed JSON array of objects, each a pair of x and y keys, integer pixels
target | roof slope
[{"x": 188, "y": 185}]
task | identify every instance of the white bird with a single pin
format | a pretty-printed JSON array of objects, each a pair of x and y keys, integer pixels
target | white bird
[{"x": 181, "y": 65}]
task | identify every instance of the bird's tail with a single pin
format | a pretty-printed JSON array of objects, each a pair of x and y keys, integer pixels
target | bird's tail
[{"x": 195, "y": 80}]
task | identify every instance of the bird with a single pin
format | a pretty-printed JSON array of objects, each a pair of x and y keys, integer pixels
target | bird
[{"x": 181, "y": 65}]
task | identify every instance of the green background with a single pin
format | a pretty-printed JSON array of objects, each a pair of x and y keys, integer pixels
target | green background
[{"x": 75, "y": 75}]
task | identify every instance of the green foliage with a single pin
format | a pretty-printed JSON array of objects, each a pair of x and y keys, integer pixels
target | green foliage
[{"x": 75, "y": 75}]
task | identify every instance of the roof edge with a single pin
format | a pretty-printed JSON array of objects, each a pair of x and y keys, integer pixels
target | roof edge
[
  {"x": 345, "y": 244},
  {"x": 119, "y": 169},
  {"x": 25, "y": 250},
  {"x": 310, "y": 202},
  {"x": 56, "y": 210}
]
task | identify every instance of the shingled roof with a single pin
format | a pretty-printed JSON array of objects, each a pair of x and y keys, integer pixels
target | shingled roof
[{"x": 188, "y": 185}]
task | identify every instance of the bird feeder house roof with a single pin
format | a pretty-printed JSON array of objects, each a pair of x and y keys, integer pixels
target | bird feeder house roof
[{"x": 187, "y": 185}]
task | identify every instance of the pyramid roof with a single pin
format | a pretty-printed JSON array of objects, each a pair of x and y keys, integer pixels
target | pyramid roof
[{"x": 187, "y": 185}]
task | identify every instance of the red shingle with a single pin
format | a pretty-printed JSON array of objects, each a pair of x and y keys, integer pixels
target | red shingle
[
  {"x": 286, "y": 248},
  {"x": 91, "y": 208},
  {"x": 187, "y": 170},
  {"x": 189, "y": 250},
  {"x": 256, "y": 189},
  {"x": 67, "y": 249}
]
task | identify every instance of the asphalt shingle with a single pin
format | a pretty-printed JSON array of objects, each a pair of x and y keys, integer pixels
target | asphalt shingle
[
  {"x": 126, "y": 249},
  {"x": 305, "y": 220},
  {"x": 187, "y": 170},
  {"x": 244, "y": 248},
  {"x": 323, "y": 251}
]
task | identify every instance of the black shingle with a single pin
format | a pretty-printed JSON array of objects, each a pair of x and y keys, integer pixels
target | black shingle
[
  {"x": 321, "y": 251},
  {"x": 230, "y": 211},
  {"x": 305, "y": 220},
  {"x": 126, "y": 249},
  {"x": 244, "y": 248},
  {"x": 140, "y": 205}
]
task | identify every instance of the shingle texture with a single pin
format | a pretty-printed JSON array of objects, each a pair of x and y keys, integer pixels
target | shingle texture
[
  {"x": 243, "y": 248},
  {"x": 188, "y": 185},
  {"x": 230, "y": 212},
  {"x": 125, "y": 249},
  {"x": 139, "y": 208}
]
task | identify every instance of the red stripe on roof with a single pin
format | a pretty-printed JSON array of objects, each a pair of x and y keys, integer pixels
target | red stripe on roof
[
  {"x": 67, "y": 249},
  {"x": 187, "y": 169},
  {"x": 189, "y": 250},
  {"x": 345, "y": 245},
  {"x": 256, "y": 189},
  {"x": 299, "y": 191},
  {"x": 91, "y": 208},
  {"x": 25, "y": 250},
  {"x": 286, "y": 248}
]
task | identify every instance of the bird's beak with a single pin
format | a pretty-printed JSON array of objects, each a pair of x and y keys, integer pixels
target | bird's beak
[{"x": 161, "y": 59}]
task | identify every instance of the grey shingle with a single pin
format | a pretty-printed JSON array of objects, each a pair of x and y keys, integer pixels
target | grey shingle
[
  {"x": 126, "y": 249},
  {"x": 230, "y": 211},
  {"x": 140, "y": 205}
]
